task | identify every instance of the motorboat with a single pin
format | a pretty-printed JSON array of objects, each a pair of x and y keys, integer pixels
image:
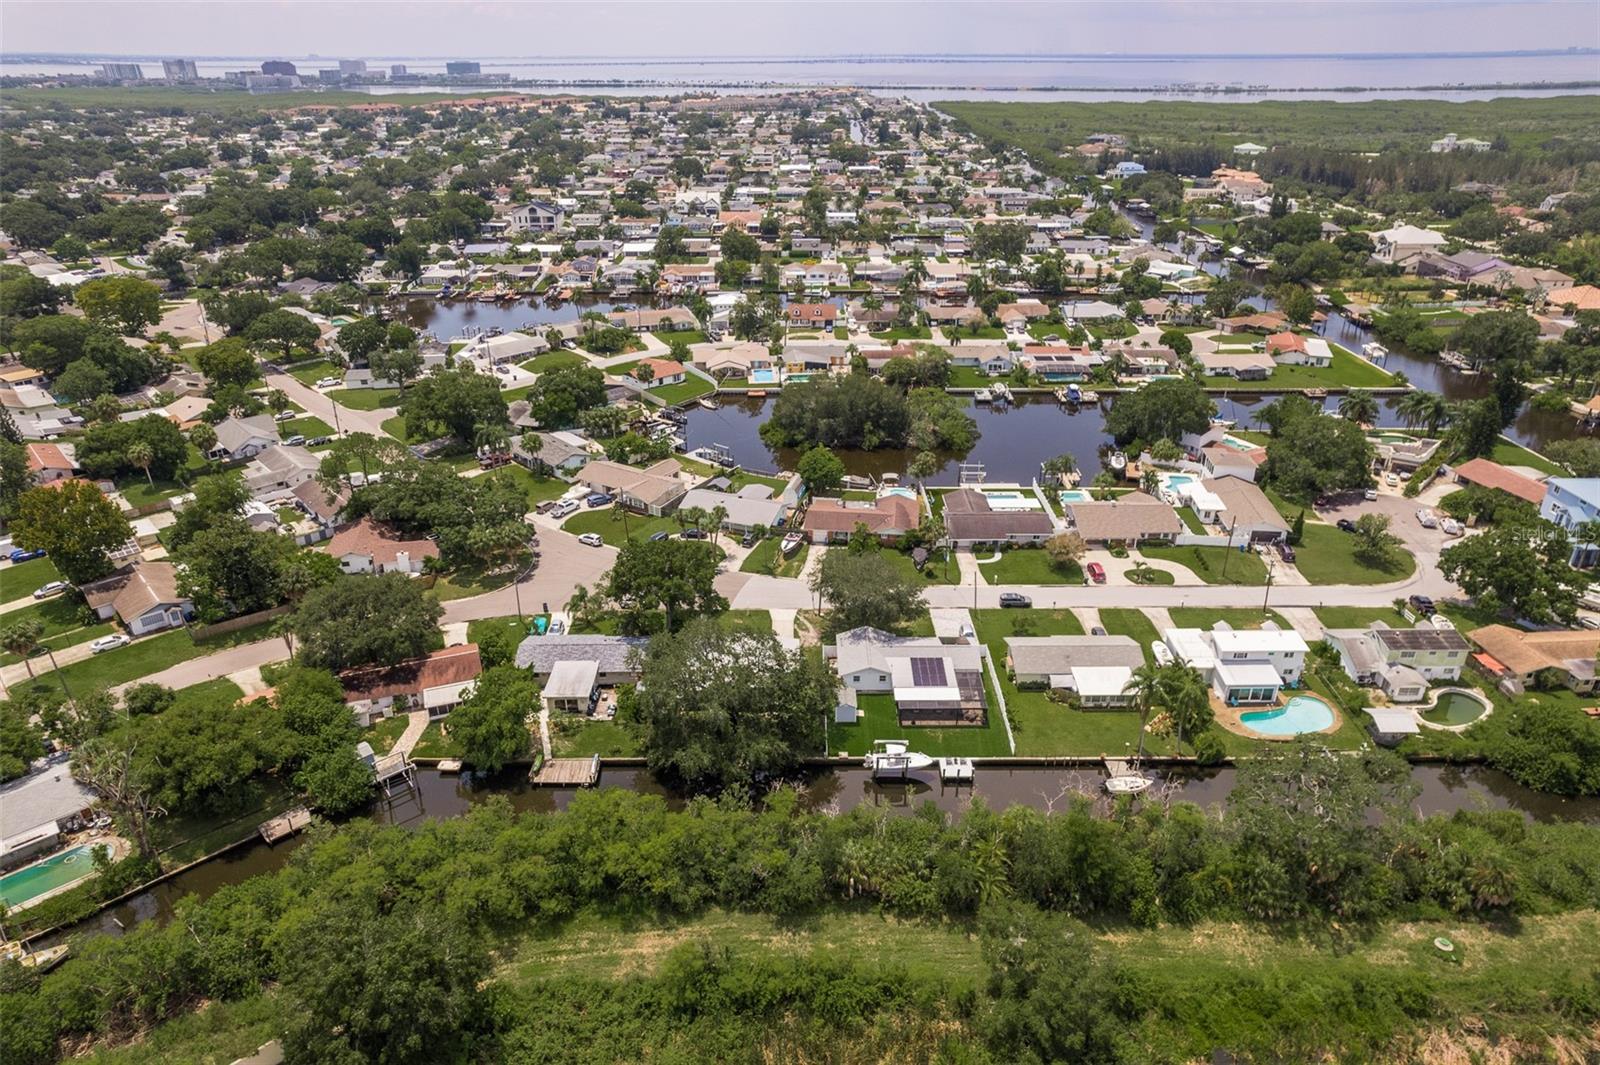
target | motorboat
[
  {"x": 791, "y": 543},
  {"x": 38, "y": 960},
  {"x": 895, "y": 758},
  {"x": 1118, "y": 461},
  {"x": 707, "y": 403}
]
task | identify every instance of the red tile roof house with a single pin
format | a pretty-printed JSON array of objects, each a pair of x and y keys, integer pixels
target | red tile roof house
[
  {"x": 367, "y": 547},
  {"x": 1487, "y": 474},
  {"x": 888, "y": 517},
  {"x": 662, "y": 372},
  {"x": 812, "y": 315},
  {"x": 436, "y": 682},
  {"x": 47, "y": 463}
]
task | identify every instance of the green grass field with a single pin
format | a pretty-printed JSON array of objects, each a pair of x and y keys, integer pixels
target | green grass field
[
  {"x": 615, "y": 529},
  {"x": 1027, "y": 565},
  {"x": 67, "y": 620},
  {"x": 365, "y": 398},
  {"x": 1359, "y": 617},
  {"x": 538, "y": 489},
  {"x": 766, "y": 557},
  {"x": 937, "y": 570},
  {"x": 1214, "y": 565},
  {"x": 148, "y": 655},
  {"x": 309, "y": 373},
  {"x": 1508, "y": 454},
  {"x": 19, "y": 580},
  {"x": 1204, "y": 617},
  {"x": 1345, "y": 371},
  {"x": 1327, "y": 556},
  {"x": 880, "y": 721},
  {"x": 554, "y": 360}
]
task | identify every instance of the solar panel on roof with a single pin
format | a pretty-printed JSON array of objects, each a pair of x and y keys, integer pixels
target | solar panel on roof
[{"x": 927, "y": 672}]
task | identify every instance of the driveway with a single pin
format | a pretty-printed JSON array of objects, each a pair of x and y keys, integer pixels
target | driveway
[
  {"x": 564, "y": 565},
  {"x": 1423, "y": 544}
]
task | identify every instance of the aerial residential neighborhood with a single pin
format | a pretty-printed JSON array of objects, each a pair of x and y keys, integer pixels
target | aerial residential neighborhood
[{"x": 495, "y": 520}]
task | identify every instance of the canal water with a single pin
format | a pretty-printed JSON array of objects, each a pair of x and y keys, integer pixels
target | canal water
[{"x": 1442, "y": 790}]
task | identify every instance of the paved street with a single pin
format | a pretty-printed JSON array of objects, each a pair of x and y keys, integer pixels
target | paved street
[
  {"x": 349, "y": 420},
  {"x": 564, "y": 565}
]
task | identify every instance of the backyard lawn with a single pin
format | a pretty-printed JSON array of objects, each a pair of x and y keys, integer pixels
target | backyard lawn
[
  {"x": 968, "y": 377},
  {"x": 1327, "y": 556},
  {"x": 364, "y": 398},
  {"x": 383, "y": 735},
  {"x": 578, "y": 737},
  {"x": 1029, "y": 565},
  {"x": 433, "y": 743},
  {"x": 537, "y": 488},
  {"x": 1214, "y": 565},
  {"x": 308, "y": 426},
  {"x": 1345, "y": 371},
  {"x": 880, "y": 721},
  {"x": 937, "y": 570},
  {"x": 1508, "y": 454},
  {"x": 309, "y": 373},
  {"x": 766, "y": 557}
]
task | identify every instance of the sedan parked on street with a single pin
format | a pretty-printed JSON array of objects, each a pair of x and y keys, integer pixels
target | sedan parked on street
[
  {"x": 109, "y": 643},
  {"x": 53, "y": 588}
]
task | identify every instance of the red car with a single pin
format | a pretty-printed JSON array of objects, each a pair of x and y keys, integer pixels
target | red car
[{"x": 1097, "y": 572}]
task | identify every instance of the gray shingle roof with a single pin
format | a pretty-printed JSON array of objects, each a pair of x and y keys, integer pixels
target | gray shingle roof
[{"x": 613, "y": 653}]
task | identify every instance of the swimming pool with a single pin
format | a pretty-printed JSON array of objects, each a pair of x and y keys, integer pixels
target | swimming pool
[
  {"x": 1237, "y": 444},
  {"x": 763, "y": 377},
  {"x": 1011, "y": 501},
  {"x": 1453, "y": 706},
  {"x": 1075, "y": 495},
  {"x": 1302, "y": 713},
  {"x": 57, "y": 871},
  {"x": 1172, "y": 480}
]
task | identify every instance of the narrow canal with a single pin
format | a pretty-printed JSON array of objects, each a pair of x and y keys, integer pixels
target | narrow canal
[{"x": 1442, "y": 789}]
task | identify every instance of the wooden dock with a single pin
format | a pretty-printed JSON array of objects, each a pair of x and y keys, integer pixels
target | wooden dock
[
  {"x": 449, "y": 765},
  {"x": 1119, "y": 767},
  {"x": 566, "y": 772},
  {"x": 285, "y": 825}
]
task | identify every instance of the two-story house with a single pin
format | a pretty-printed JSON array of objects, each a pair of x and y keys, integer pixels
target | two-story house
[
  {"x": 1571, "y": 502},
  {"x": 1401, "y": 662}
]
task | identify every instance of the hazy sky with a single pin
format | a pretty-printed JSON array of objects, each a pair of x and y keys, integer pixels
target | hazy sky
[{"x": 387, "y": 28}]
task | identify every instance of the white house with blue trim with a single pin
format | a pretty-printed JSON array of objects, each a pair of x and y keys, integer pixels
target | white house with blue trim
[{"x": 1569, "y": 502}]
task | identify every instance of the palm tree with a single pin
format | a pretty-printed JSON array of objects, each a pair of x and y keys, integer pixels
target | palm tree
[
  {"x": 719, "y": 514},
  {"x": 1185, "y": 695},
  {"x": 204, "y": 438},
  {"x": 21, "y": 638},
  {"x": 1145, "y": 685},
  {"x": 1359, "y": 405},
  {"x": 141, "y": 454},
  {"x": 1418, "y": 408}
]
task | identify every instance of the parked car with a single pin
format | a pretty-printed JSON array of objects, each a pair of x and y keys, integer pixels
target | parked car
[
  {"x": 1589, "y": 621},
  {"x": 296, "y": 440},
  {"x": 109, "y": 643},
  {"x": 591, "y": 540},
  {"x": 1097, "y": 630},
  {"x": 598, "y": 499},
  {"x": 1346, "y": 525},
  {"x": 283, "y": 416},
  {"x": 657, "y": 537},
  {"x": 21, "y": 555},
  {"x": 565, "y": 507},
  {"x": 1421, "y": 604},
  {"x": 1014, "y": 599},
  {"x": 1391, "y": 479},
  {"x": 1285, "y": 552},
  {"x": 1096, "y": 571},
  {"x": 45, "y": 591},
  {"x": 1451, "y": 527},
  {"x": 544, "y": 506},
  {"x": 694, "y": 534},
  {"x": 318, "y": 441},
  {"x": 1370, "y": 494},
  {"x": 747, "y": 540},
  {"x": 557, "y": 627},
  {"x": 1426, "y": 519},
  {"x": 493, "y": 461},
  {"x": 329, "y": 382},
  {"x": 502, "y": 368}
]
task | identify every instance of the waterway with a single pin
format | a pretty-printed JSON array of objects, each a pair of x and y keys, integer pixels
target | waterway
[{"x": 1442, "y": 790}]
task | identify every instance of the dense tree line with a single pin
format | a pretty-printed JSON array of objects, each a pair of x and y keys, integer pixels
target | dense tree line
[{"x": 396, "y": 973}]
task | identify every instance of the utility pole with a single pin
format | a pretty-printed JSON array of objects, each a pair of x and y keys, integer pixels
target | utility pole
[{"x": 1268, "y": 592}]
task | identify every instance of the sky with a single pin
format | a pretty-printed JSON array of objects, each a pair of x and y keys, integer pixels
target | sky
[{"x": 399, "y": 28}]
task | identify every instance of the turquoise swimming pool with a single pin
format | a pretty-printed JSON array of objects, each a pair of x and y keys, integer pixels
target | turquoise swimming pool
[
  {"x": 57, "y": 871},
  {"x": 1302, "y": 713},
  {"x": 1075, "y": 495},
  {"x": 763, "y": 377}
]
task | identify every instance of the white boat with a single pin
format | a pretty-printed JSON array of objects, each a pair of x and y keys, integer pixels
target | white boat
[
  {"x": 37, "y": 960},
  {"x": 1128, "y": 784},
  {"x": 982, "y": 395},
  {"x": 1117, "y": 461},
  {"x": 1089, "y": 396},
  {"x": 791, "y": 543},
  {"x": 707, "y": 403},
  {"x": 1222, "y": 423},
  {"x": 895, "y": 758}
]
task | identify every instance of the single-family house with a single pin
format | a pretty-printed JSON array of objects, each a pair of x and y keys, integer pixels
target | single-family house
[
  {"x": 1247, "y": 513},
  {"x": 1400, "y": 661},
  {"x": 820, "y": 316},
  {"x": 1096, "y": 668},
  {"x": 436, "y": 682},
  {"x": 750, "y": 507},
  {"x": 888, "y": 517},
  {"x": 367, "y": 547},
  {"x": 1571, "y": 502},
  {"x": 507, "y": 347},
  {"x": 1128, "y": 520},
  {"x": 535, "y": 216},
  {"x": 970, "y": 518},
  {"x": 48, "y": 463},
  {"x": 1486, "y": 473},
  {"x": 143, "y": 595},
  {"x": 1526, "y": 659},
  {"x": 653, "y": 490},
  {"x": 559, "y": 452},
  {"x": 1402, "y": 243},
  {"x": 1293, "y": 349},
  {"x": 932, "y": 682},
  {"x": 279, "y": 470},
  {"x": 1242, "y": 666},
  {"x": 654, "y": 373},
  {"x": 574, "y": 668},
  {"x": 242, "y": 438}
]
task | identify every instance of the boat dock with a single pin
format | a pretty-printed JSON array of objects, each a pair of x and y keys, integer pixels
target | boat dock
[
  {"x": 394, "y": 771},
  {"x": 1118, "y": 767},
  {"x": 566, "y": 772},
  {"x": 956, "y": 770},
  {"x": 285, "y": 825}
]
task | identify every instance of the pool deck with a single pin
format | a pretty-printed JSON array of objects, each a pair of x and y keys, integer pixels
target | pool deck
[
  {"x": 1229, "y": 717},
  {"x": 119, "y": 849}
]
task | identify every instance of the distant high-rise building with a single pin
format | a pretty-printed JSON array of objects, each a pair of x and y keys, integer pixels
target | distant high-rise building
[
  {"x": 265, "y": 83},
  {"x": 121, "y": 71},
  {"x": 397, "y": 70},
  {"x": 352, "y": 66},
  {"x": 462, "y": 66},
  {"x": 180, "y": 69},
  {"x": 330, "y": 77},
  {"x": 278, "y": 66}
]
